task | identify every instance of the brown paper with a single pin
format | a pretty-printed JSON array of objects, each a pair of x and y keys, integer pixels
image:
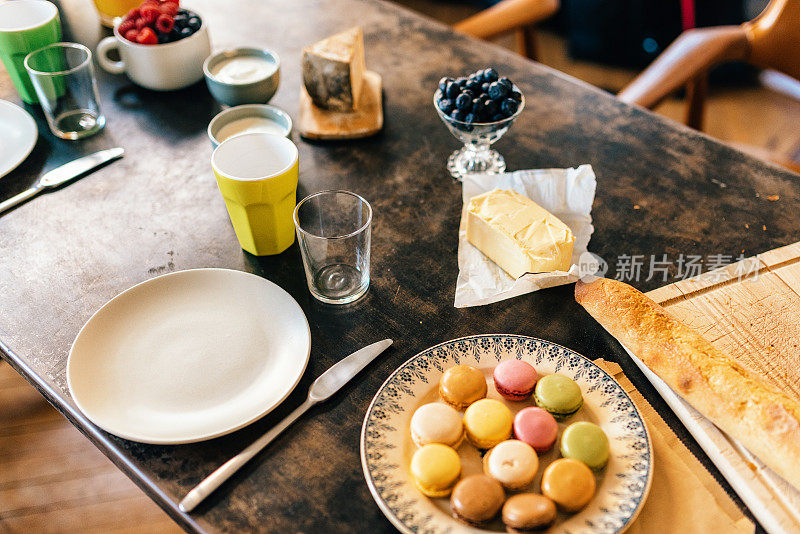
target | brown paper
[{"x": 684, "y": 497}]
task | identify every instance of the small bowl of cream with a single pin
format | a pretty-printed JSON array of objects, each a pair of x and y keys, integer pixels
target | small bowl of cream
[
  {"x": 242, "y": 75},
  {"x": 250, "y": 118}
]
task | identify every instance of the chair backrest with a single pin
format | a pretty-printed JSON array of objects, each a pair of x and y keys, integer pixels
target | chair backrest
[{"x": 774, "y": 37}]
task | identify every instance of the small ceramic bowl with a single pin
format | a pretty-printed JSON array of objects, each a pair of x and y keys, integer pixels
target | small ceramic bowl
[
  {"x": 248, "y": 86},
  {"x": 248, "y": 119}
]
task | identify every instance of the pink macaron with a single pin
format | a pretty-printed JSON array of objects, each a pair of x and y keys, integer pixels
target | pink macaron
[
  {"x": 515, "y": 379},
  {"x": 536, "y": 427}
]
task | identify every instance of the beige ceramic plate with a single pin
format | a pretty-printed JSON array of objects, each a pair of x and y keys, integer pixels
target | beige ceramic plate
[
  {"x": 386, "y": 446},
  {"x": 188, "y": 356},
  {"x": 18, "y": 136}
]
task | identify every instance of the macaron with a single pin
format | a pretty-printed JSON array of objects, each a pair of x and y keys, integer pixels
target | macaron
[
  {"x": 528, "y": 512},
  {"x": 569, "y": 483},
  {"x": 559, "y": 395},
  {"x": 512, "y": 463},
  {"x": 586, "y": 442},
  {"x": 514, "y": 379},
  {"x": 487, "y": 422},
  {"x": 477, "y": 499},
  {"x": 437, "y": 423},
  {"x": 435, "y": 468},
  {"x": 462, "y": 385},
  {"x": 536, "y": 427}
]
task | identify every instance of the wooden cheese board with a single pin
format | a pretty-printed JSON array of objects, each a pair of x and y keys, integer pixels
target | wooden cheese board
[
  {"x": 751, "y": 310},
  {"x": 366, "y": 120}
]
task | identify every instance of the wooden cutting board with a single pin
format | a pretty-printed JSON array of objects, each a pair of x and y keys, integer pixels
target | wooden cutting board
[
  {"x": 366, "y": 120},
  {"x": 751, "y": 310}
]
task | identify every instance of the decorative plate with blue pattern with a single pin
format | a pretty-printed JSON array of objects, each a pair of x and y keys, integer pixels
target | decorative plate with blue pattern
[{"x": 386, "y": 446}]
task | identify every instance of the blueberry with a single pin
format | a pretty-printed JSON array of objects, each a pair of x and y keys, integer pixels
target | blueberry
[
  {"x": 464, "y": 102},
  {"x": 474, "y": 86},
  {"x": 181, "y": 19},
  {"x": 446, "y": 105},
  {"x": 477, "y": 106},
  {"x": 498, "y": 117},
  {"x": 505, "y": 81},
  {"x": 443, "y": 83},
  {"x": 163, "y": 37},
  {"x": 458, "y": 115},
  {"x": 469, "y": 118},
  {"x": 468, "y": 92},
  {"x": 497, "y": 91},
  {"x": 490, "y": 108},
  {"x": 489, "y": 75},
  {"x": 509, "y": 106},
  {"x": 186, "y": 32},
  {"x": 461, "y": 81},
  {"x": 452, "y": 90},
  {"x": 193, "y": 23},
  {"x": 516, "y": 95},
  {"x": 485, "y": 87}
]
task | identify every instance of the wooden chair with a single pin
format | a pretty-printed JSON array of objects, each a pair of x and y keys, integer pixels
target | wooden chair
[
  {"x": 519, "y": 16},
  {"x": 771, "y": 40}
]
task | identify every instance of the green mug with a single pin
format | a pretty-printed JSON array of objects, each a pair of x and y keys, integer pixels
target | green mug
[{"x": 25, "y": 26}]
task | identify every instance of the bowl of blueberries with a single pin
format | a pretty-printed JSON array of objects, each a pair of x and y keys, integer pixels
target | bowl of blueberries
[{"x": 477, "y": 109}]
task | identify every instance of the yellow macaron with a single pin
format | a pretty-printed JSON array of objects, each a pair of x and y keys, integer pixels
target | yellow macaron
[
  {"x": 435, "y": 469},
  {"x": 487, "y": 422}
]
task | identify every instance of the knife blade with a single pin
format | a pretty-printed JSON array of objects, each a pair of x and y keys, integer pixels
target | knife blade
[
  {"x": 63, "y": 174},
  {"x": 322, "y": 389}
]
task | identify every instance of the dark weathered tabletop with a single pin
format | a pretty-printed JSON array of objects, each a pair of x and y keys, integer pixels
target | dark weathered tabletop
[{"x": 64, "y": 254}]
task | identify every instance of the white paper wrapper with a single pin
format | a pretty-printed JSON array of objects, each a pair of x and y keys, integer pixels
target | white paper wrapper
[{"x": 566, "y": 193}]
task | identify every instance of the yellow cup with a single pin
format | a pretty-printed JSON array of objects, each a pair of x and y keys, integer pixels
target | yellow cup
[{"x": 257, "y": 176}]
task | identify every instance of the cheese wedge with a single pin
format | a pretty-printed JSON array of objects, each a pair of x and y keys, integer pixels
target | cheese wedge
[
  {"x": 517, "y": 234},
  {"x": 333, "y": 70}
]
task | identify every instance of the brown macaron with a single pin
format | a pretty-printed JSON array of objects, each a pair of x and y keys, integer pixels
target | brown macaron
[
  {"x": 527, "y": 512},
  {"x": 477, "y": 499}
]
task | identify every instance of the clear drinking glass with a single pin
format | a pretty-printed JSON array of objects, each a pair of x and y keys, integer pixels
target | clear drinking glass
[
  {"x": 477, "y": 156},
  {"x": 63, "y": 77},
  {"x": 333, "y": 231}
]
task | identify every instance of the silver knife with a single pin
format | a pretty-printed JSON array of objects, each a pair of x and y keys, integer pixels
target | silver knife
[
  {"x": 323, "y": 387},
  {"x": 63, "y": 174}
]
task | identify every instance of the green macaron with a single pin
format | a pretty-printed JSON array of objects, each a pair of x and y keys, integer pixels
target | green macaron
[
  {"x": 586, "y": 442},
  {"x": 558, "y": 395}
]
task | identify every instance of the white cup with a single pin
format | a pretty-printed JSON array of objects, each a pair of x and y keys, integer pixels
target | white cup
[{"x": 161, "y": 67}]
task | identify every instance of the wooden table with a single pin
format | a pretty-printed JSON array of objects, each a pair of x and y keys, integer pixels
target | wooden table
[{"x": 662, "y": 189}]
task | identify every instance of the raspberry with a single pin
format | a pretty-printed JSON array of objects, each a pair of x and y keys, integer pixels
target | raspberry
[
  {"x": 140, "y": 23},
  {"x": 150, "y": 13},
  {"x": 147, "y": 37},
  {"x": 169, "y": 8},
  {"x": 133, "y": 14},
  {"x": 132, "y": 34},
  {"x": 165, "y": 23},
  {"x": 126, "y": 25}
]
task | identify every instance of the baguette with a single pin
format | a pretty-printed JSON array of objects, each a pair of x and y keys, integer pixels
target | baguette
[{"x": 764, "y": 419}]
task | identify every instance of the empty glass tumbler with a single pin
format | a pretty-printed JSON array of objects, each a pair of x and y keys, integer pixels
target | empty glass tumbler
[
  {"x": 63, "y": 77},
  {"x": 333, "y": 231}
]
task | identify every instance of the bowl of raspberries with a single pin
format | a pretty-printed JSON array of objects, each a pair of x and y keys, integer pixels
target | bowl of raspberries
[
  {"x": 478, "y": 109},
  {"x": 158, "y": 22},
  {"x": 161, "y": 44}
]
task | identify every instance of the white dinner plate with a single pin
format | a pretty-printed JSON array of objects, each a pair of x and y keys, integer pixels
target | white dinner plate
[
  {"x": 18, "y": 135},
  {"x": 387, "y": 448},
  {"x": 188, "y": 356}
]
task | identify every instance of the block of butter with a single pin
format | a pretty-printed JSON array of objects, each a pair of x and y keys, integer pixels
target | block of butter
[{"x": 517, "y": 234}]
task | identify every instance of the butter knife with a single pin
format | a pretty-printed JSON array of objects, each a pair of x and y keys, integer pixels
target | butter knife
[
  {"x": 63, "y": 174},
  {"x": 322, "y": 389}
]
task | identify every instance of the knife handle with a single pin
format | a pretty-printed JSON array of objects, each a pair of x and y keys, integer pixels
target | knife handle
[
  {"x": 226, "y": 470},
  {"x": 17, "y": 199}
]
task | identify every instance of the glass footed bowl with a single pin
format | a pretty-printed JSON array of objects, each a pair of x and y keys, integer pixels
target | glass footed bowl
[{"x": 477, "y": 156}]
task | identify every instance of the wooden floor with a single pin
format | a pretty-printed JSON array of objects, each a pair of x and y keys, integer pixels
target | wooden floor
[{"x": 53, "y": 480}]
